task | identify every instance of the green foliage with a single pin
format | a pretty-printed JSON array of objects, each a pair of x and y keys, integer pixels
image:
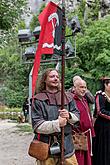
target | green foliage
[
  {"x": 10, "y": 12},
  {"x": 7, "y": 109},
  {"x": 92, "y": 11},
  {"x": 6, "y": 36},
  {"x": 34, "y": 22},
  {"x": 41, "y": 8},
  {"x": 70, "y": 73},
  {"x": 21, "y": 25},
  {"x": 25, "y": 128},
  {"x": 92, "y": 83},
  {"x": 14, "y": 76},
  {"x": 9, "y": 116},
  {"x": 93, "y": 48}
]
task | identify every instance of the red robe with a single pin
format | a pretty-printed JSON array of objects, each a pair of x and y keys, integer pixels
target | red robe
[{"x": 84, "y": 157}]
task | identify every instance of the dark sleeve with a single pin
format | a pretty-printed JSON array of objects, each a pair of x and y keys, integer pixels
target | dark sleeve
[
  {"x": 73, "y": 109},
  {"x": 100, "y": 103},
  {"x": 95, "y": 112},
  {"x": 102, "y": 106},
  {"x": 89, "y": 97},
  {"x": 36, "y": 114}
]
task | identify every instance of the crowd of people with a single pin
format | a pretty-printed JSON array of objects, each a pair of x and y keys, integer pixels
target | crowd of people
[{"x": 76, "y": 118}]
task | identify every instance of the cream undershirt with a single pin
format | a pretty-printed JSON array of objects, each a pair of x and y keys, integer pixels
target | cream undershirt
[{"x": 49, "y": 127}]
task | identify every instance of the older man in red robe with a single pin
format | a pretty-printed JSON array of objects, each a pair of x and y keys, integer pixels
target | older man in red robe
[{"x": 86, "y": 126}]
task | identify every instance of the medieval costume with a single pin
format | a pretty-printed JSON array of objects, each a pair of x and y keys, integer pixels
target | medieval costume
[
  {"x": 86, "y": 127},
  {"x": 101, "y": 154},
  {"x": 45, "y": 123}
]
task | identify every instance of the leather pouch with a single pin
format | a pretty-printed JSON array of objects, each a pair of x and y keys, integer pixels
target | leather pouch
[
  {"x": 80, "y": 141},
  {"x": 39, "y": 150}
]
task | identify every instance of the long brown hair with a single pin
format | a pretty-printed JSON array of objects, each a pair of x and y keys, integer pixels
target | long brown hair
[{"x": 42, "y": 84}]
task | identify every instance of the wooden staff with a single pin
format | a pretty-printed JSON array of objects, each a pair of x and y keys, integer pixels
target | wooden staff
[{"x": 62, "y": 78}]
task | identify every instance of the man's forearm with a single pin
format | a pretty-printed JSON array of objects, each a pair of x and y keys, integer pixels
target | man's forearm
[{"x": 49, "y": 127}]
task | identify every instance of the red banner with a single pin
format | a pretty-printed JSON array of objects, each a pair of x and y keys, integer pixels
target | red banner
[{"x": 49, "y": 21}]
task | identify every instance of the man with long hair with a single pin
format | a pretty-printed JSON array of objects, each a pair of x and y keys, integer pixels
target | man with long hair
[{"x": 48, "y": 118}]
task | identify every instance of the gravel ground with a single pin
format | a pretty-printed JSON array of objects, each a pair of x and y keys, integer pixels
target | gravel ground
[{"x": 14, "y": 145}]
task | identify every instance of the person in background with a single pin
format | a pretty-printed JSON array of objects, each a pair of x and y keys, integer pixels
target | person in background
[
  {"x": 48, "y": 118},
  {"x": 26, "y": 109},
  {"x": 101, "y": 152},
  {"x": 88, "y": 95},
  {"x": 86, "y": 125}
]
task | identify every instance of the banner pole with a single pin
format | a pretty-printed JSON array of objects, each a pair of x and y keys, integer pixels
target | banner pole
[{"x": 62, "y": 78}]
